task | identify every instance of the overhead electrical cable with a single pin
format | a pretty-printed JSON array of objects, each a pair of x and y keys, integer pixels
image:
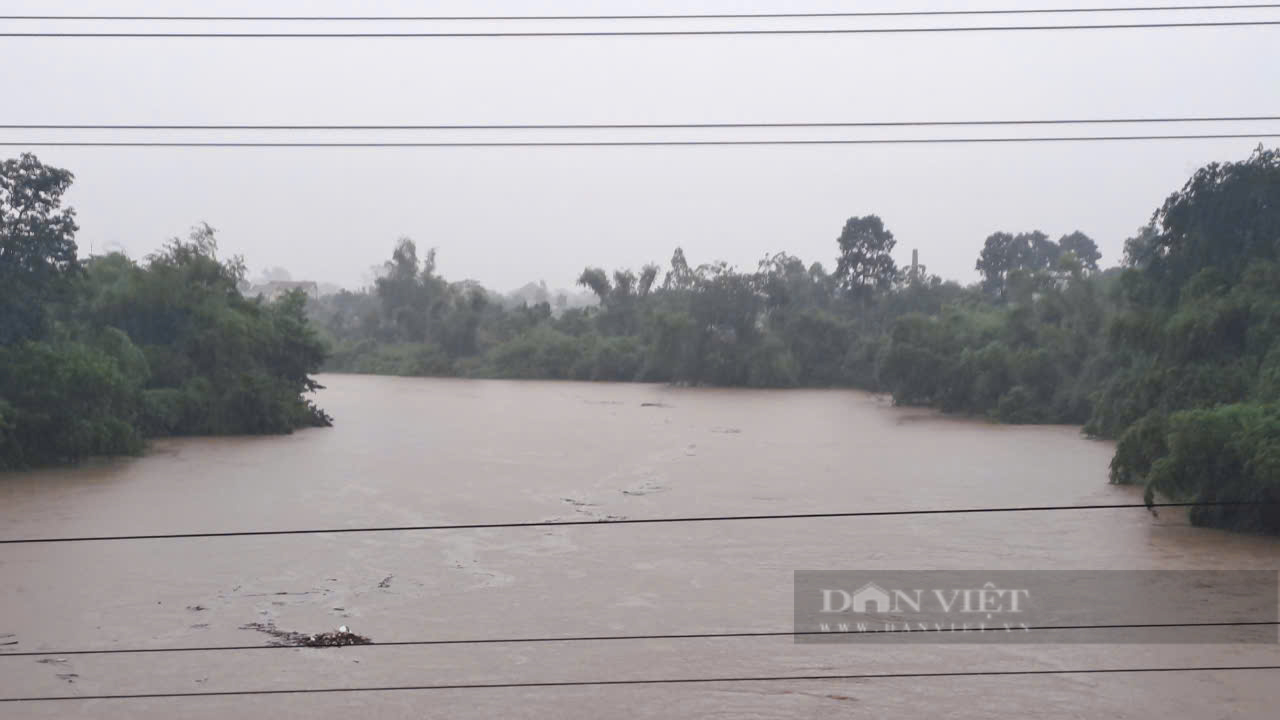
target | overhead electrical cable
[
  {"x": 642, "y": 33},
  {"x": 627, "y": 143},
  {"x": 610, "y": 638},
  {"x": 654, "y": 16},
  {"x": 655, "y": 681},
  {"x": 623, "y": 521},
  {"x": 641, "y": 126}
]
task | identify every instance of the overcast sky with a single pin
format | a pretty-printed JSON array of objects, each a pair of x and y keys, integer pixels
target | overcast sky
[{"x": 511, "y": 215}]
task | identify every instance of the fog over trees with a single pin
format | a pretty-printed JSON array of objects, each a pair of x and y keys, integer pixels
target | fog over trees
[{"x": 1174, "y": 352}]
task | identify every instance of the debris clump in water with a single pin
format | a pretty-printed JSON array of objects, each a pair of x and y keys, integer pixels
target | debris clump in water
[{"x": 284, "y": 638}]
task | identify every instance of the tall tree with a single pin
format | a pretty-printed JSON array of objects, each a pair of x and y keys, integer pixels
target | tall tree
[
  {"x": 1042, "y": 253},
  {"x": 680, "y": 276},
  {"x": 410, "y": 292},
  {"x": 1225, "y": 217},
  {"x": 1140, "y": 249},
  {"x": 866, "y": 260},
  {"x": 597, "y": 281},
  {"x": 1083, "y": 247},
  {"x": 998, "y": 257},
  {"x": 620, "y": 300},
  {"x": 1025, "y": 256},
  {"x": 648, "y": 274},
  {"x": 37, "y": 245}
]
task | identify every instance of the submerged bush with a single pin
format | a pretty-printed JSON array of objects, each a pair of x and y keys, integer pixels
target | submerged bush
[
  {"x": 1138, "y": 448},
  {"x": 1230, "y": 454},
  {"x": 542, "y": 353},
  {"x": 64, "y": 403}
]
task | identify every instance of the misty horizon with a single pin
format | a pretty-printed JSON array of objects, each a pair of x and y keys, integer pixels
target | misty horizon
[{"x": 507, "y": 216}]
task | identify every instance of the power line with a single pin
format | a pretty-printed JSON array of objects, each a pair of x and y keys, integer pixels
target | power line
[
  {"x": 629, "y": 143},
  {"x": 650, "y": 126},
  {"x": 692, "y": 16},
  {"x": 624, "y": 521},
  {"x": 662, "y": 681},
  {"x": 608, "y": 638},
  {"x": 638, "y": 33}
]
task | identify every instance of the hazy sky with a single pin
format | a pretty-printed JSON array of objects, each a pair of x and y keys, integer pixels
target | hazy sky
[{"x": 507, "y": 216}]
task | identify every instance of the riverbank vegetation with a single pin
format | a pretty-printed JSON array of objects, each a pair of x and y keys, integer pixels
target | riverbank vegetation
[
  {"x": 98, "y": 354},
  {"x": 1175, "y": 352}
]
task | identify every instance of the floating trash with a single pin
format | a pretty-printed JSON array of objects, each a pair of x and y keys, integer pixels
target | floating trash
[{"x": 284, "y": 638}]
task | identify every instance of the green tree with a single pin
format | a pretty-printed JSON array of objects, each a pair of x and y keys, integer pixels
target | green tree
[
  {"x": 866, "y": 261},
  {"x": 597, "y": 281},
  {"x": 680, "y": 276},
  {"x": 412, "y": 296},
  {"x": 1083, "y": 248},
  {"x": 1195, "y": 343},
  {"x": 37, "y": 245},
  {"x": 1001, "y": 254},
  {"x": 63, "y": 403}
]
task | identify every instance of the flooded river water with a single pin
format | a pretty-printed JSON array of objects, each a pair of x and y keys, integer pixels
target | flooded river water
[{"x": 407, "y": 451}]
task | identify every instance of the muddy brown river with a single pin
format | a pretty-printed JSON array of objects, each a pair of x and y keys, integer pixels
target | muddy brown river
[{"x": 407, "y": 451}]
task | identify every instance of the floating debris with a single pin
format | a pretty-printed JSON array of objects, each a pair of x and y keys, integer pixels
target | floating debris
[
  {"x": 322, "y": 591},
  {"x": 386, "y": 582},
  {"x": 284, "y": 638},
  {"x": 196, "y": 608},
  {"x": 654, "y": 404},
  {"x": 648, "y": 487}
]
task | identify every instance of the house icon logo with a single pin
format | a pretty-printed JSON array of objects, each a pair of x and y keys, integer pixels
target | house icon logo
[{"x": 871, "y": 598}]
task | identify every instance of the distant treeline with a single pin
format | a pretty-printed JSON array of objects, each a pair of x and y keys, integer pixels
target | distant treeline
[
  {"x": 98, "y": 354},
  {"x": 1176, "y": 353}
]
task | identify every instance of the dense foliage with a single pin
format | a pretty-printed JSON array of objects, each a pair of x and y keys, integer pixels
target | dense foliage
[
  {"x": 1175, "y": 353},
  {"x": 1195, "y": 392},
  {"x": 98, "y": 354},
  {"x": 1025, "y": 354}
]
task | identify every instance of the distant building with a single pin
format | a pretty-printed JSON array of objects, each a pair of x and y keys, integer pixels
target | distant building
[
  {"x": 917, "y": 271},
  {"x": 276, "y": 288}
]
